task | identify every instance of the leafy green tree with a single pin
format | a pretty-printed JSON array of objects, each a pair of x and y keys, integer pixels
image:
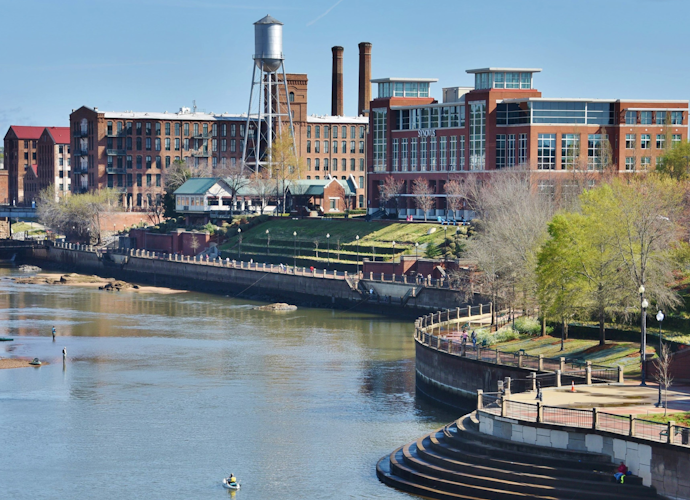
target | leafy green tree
[
  {"x": 675, "y": 163},
  {"x": 432, "y": 251}
]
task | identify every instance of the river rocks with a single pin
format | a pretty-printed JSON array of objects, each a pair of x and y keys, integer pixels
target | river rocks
[
  {"x": 115, "y": 286},
  {"x": 29, "y": 269},
  {"x": 278, "y": 306}
]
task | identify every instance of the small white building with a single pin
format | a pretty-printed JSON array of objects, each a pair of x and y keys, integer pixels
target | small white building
[{"x": 203, "y": 195}]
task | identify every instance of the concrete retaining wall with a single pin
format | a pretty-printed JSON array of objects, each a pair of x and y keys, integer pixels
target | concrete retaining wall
[
  {"x": 453, "y": 380},
  {"x": 661, "y": 465}
]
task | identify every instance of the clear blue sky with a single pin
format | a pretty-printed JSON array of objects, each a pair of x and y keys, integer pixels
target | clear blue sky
[{"x": 158, "y": 55}]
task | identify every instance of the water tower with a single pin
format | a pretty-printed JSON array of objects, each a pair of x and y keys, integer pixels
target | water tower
[{"x": 265, "y": 117}]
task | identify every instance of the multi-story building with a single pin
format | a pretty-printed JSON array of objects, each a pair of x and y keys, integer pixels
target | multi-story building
[
  {"x": 20, "y": 152},
  {"x": 53, "y": 163},
  {"x": 330, "y": 146},
  {"x": 503, "y": 122},
  {"x": 130, "y": 151}
]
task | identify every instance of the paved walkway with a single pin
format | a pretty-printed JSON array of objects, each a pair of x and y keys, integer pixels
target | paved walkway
[{"x": 626, "y": 399}]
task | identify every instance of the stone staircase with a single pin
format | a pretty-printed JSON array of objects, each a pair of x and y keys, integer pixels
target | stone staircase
[{"x": 458, "y": 462}]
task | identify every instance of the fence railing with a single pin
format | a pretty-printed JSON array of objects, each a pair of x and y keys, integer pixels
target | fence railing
[{"x": 626, "y": 425}]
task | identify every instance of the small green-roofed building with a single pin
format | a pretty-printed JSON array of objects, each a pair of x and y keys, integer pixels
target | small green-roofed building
[{"x": 322, "y": 195}]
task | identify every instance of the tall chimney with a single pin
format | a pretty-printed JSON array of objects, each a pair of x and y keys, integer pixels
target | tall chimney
[
  {"x": 337, "y": 83},
  {"x": 364, "y": 77}
]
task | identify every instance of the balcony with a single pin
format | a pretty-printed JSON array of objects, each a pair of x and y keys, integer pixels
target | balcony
[
  {"x": 201, "y": 135},
  {"x": 80, "y": 133},
  {"x": 80, "y": 152},
  {"x": 80, "y": 170},
  {"x": 116, "y": 152},
  {"x": 113, "y": 133},
  {"x": 201, "y": 154}
]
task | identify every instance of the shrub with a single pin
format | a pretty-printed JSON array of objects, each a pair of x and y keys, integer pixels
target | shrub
[{"x": 530, "y": 326}]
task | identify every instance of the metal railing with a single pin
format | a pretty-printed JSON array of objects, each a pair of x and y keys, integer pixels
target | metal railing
[{"x": 498, "y": 404}]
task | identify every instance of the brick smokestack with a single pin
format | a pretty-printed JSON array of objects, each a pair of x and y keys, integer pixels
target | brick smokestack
[
  {"x": 364, "y": 77},
  {"x": 337, "y": 83}
]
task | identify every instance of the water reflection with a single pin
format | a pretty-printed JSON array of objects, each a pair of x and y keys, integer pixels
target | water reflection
[{"x": 163, "y": 395}]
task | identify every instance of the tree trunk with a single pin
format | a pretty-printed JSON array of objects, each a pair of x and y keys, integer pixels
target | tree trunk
[
  {"x": 602, "y": 329},
  {"x": 543, "y": 325}
]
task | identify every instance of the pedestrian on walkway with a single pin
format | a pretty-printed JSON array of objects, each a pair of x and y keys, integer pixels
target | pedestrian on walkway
[
  {"x": 474, "y": 339},
  {"x": 64, "y": 354},
  {"x": 53, "y": 333}
]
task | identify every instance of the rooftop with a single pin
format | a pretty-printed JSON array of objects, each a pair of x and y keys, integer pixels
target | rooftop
[
  {"x": 337, "y": 119},
  {"x": 507, "y": 70},
  {"x": 183, "y": 114},
  {"x": 59, "y": 134},
  {"x": 27, "y": 133},
  {"x": 396, "y": 79}
]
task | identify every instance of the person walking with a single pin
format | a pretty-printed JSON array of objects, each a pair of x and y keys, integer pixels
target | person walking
[
  {"x": 53, "y": 333},
  {"x": 474, "y": 339},
  {"x": 64, "y": 354}
]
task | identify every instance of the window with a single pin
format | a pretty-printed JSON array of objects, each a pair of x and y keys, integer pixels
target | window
[
  {"x": 128, "y": 127},
  {"x": 196, "y": 129},
  {"x": 308, "y": 131},
  {"x": 630, "y": 117},
  {"x": 413, "y": 155},
  {"x": 443, "y": 153},
  {"x": 308, "y": 146},
  {"x": 148, "y": 129},
  {"x": 404, "y": 155},
  {"x": 501, "y": 151},
  {"x": 453, "y": 152},
  {"x": 645, "y": 141},
  {"x": 129, "y": 162},
  {"x": 343, "y": 146},
  {"x": 332, "y": 203},
  {"x": 139, "y": 161},
  {"x": 675, "y": 139},
  {"x": 547, "y": 189},
  {"x": 352, "y": 132},
  {"x": 158, "y": 129},
  {"x": 676, "y": 117},
  {"x": 325, "y": 164},
  {"x": 361, "y": 147},
  {"x": 511, "y": 150},
  {"x": 158, "y": 180},
  {"x": 148, "y": 180},
  {"x": 128, "y": 143},
  {"x": 309, "y": 164},
  {"x": 158, "y": 144},
  {"x": 177, "y": 129},
  {"x": 598, "y": 151},
  {"x": 241, "y": 130},
  {"x": 645, "y": 162},
  {"x": 645, "y": 117},
  {"x": 148, "y": 162},
  {"x": 570, "y": 151},
  {"x": 546, "y": 151},
  {"x": 361, "y": 181},
  {"x": 167, "y": 129},
  {"x": 343, "y": 134},
  {"x": 129, "y": 180},
  {"x": 478, "y": 135},
  {"x": 233, "y": 145},
  {"x": 214, "y": 145},
  {"x": 186, "y": 144},
  {"x": 343, "y": 164},
  {"x": 317, "y": 164},
  {"x": 138, "y": 128},
  {"x": 317, "y": 132},
  {"x": 522, "y": 149},
  {"x": 215, "y": 129},
  {"x": 233, "y": 130},
  {"x": 395, "y": 155},
  {"x": 177, "y": 144},
  {"x": 224, "y": 129},
  {"x": 660, "y": 141},
  {"x": 361, "y": 132},
  {"x": 108, "y": 130},
  {"x": 352, "y": 164},
  {"x": 148, "y": 144},
  {"x": 158, "y": 162},
  {"x": 167, "y": 161},
  {"x": 335, "y": 144},
  {"x": 629, "y": 163},
  {"x": 352, "y": 147},
  {"x": 661, "y": 117},
  {"x": 292, "y": 97},
  {"x": 325, "y": 146},
  {"x": 223, "y": 144},
  {"x": 205, "y": 131},
  {"x": 326, "y": 132},
  {"x": 317, "y": 146},
  {"x": 630, "y": 141},
  {"x": 139, "y": 181}
]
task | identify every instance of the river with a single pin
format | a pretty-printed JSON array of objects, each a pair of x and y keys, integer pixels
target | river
[{"x": 164, "y": 394}]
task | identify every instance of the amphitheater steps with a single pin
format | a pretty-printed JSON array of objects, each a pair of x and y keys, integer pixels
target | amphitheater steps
[{"x": 457, "y": 461}]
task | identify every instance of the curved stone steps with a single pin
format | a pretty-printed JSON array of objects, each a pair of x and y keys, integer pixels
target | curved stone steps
[
  {"x": 495, "y": 490},
  {"x": 428, "y": 461}
]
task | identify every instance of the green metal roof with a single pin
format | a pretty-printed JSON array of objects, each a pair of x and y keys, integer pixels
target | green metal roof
[
  {"x": 196, "y": 186},
  {"x": 315, "y": 187}
]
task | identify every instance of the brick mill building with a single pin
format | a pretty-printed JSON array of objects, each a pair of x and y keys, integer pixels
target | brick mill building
[
  {"x": 502, "y": 122},
  {"x": 21, "y": 145},
  {"x": 53, "y": 163}
]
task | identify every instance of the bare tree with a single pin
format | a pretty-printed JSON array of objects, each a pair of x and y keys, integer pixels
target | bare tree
[
  {"x": 663, "y": 372},
  {"x": 194, "y": 243},
  {"x": 316, "y": 247},
  {"x": 390, "y": 189},
  {"x": 421, "y": 189},
  {"x": 262, "y": 186},
  {"x": 156, "y": 208},
  {"x": 454, "y": 195},
  {"x": 181, "y": 171},
  {"x": 235, "y": 176}
]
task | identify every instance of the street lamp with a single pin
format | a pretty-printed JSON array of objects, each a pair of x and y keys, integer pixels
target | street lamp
[
  {"x": 328, "y": 242},
  {"x": 268, "y": 243},
  {"x": 294, "y": 253},
  {"x": 239, "y": 248},
  {"x": 643, "y": 341},
  {"x": 416, "y": 247},
  {"x": 357, "y": 238},
  {"x": 394, "y": 251},
  {"x": 659, "y": 318},
  {"x": 445, "y": 242}
]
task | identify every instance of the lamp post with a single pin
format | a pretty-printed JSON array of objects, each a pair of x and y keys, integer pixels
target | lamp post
[
  {"x": 328, "y": 243},
  {"x": 445, "y": 242},
  {"x": 357, "y": 238},
  {"x": 643, "y": 341},
  {"x": 294, "y": 253},
  {"x": 659, "y": 318},
  {"x": 268, "y": 243},
  {"x": 239, "y": 248},
  {"x": 394, "y": 251}
]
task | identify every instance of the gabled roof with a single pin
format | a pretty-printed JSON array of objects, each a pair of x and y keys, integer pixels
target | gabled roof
[
  {"x": 197, "y": 185},
  {"x": 315, "y": 187},
  {"x": 59, "y": 134},
  {"x": 27, "y": 133},
  {"x": 268, "y": 20},
  {"x": 34, "y": 169}
]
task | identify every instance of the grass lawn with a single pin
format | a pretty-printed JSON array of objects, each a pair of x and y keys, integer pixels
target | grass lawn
[
  {"x": 682, "y": 418},
  {"x": 612, "y": 354},
  {"x": 377, "y": 233}
]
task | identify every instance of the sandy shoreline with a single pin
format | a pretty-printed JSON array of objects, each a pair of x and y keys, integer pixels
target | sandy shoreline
[
  {"x": 15, "y": 363},
  {"x": 87, "y": 281}
]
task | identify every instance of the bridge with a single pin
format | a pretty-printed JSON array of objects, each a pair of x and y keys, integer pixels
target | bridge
[{"x": 7, "y": 211}]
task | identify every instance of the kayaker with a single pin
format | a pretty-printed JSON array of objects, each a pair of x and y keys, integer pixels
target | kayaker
[{"x": 232, "y": 478}]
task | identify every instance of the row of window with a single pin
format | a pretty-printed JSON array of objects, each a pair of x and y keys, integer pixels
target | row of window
[
  {"x": 503, "y": 80},
  {"x": 155, "y": 128},
  {"x": 334, "y": 164},
  {"x": 646, "y": 141},
  {"x": 156, "y": 144},
  {"x": 327, "y": 130},
  {"x": 662, "y": 117},
  {"x": 555, "y": 112},
  {"x": 425, "y": 118},
  {"x": 119, "y": 180},
  {"x": 403, "y": 89},
  {"x": 434, "y": 154},
  {"x": 343, "y": 149}
]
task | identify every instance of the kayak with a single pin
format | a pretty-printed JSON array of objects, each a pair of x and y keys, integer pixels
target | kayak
[
  {"x": 230, "y": 486},
  {"x": 6, "y": 339},
  {"x": 35, "y": 362}
]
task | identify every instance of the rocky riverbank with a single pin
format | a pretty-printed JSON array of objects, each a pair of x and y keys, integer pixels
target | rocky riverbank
[{"x": 106, "y": 284}]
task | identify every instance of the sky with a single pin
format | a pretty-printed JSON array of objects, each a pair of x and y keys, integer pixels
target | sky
[{"x": 160, "y": 55}]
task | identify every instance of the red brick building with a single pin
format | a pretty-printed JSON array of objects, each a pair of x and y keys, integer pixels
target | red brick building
[
  {"x": 130, "y": 151},
  {"x": 53, "y": 163},
  {"x": 21, "y": 145},
  {"x": 502, "y": 122}
]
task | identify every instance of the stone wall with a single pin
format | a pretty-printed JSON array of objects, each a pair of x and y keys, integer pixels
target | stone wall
[{"x": 661, "y": 465}]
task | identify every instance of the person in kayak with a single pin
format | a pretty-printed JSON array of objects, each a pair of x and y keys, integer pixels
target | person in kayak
[{"x": 232, "y": 478}]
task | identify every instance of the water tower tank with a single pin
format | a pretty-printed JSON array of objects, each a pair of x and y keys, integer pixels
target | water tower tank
[{"x": 268, "y": 43}]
